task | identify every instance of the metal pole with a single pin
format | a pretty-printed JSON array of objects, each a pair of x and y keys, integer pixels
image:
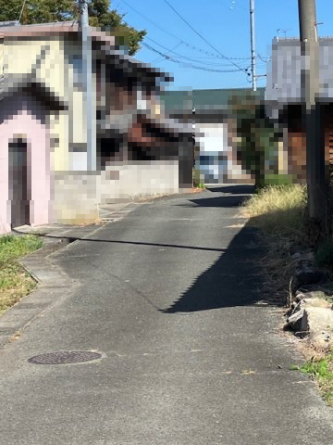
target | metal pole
[
  {"x": 253, "y": 51},
  {"x": 315, "y": 141},
  {"x": 89, "y": 104}
]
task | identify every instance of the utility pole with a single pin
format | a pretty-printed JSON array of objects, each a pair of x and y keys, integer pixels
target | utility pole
[
  {"x": 315, "y": 142},
  {"x": 253, "y": 50},
  {"x": 88, "y": 103}
]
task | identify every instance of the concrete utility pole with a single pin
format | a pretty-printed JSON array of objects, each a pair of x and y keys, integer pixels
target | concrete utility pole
[
  {"x": 315, "y": 141},
  {"x": 89, "y": 103},
  {"x": 253, "y": 49}
]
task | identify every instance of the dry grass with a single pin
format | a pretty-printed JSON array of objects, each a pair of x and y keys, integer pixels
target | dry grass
[
  {"x": 278, "y": 210},
  {"x": 198, "y": 189},
  {"x": 15, "y": 282}
]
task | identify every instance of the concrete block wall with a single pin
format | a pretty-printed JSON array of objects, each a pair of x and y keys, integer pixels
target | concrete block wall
[
  {"x": 76, "y": 196},
  {"x": 134, "y": 181}
]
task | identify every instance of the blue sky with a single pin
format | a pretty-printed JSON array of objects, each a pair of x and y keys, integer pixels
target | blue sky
[{"x": 225, "y": 25}]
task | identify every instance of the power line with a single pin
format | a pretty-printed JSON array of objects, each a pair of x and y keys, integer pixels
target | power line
[
  {"x": 188, "y": 65},
  {"x": 189, "y": 25},
  {"x": 185, "y": 57},
  {"x": 189, "y": 45},
  {"x": 161, "y": 58},
  {"x": 203, "y": 38},
  {"x": 262, "y": 59}
]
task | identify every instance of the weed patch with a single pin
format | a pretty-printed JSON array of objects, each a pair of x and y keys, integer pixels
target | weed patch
[
  {"x": 15, "y": 282},
  {"x": 280, "y": 212},
  {"x": 321, "y": 370}
]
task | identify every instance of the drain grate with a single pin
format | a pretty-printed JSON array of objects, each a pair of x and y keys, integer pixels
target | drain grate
[{"x": 65, "y": 357}]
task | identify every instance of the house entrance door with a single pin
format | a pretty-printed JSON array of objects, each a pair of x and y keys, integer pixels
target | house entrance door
[{"x": 18, "y": 183}]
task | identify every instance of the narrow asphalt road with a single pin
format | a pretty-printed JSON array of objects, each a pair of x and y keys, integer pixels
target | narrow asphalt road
[{"x": 169, "y": 296}]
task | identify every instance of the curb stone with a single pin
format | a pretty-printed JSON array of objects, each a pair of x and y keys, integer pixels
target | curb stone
[{"x": 51, "y": 284}]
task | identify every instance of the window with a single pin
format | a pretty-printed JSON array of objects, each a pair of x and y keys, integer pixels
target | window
[
  {"x": 141, "y": 99},
  {"x": 206, "y": 160}
]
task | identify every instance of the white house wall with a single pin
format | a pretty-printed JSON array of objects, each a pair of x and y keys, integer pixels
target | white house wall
[
  {"x": 78, "y": 161},
  {"x": 212, "y": 140},
  {"x": 212, "y": 137}
]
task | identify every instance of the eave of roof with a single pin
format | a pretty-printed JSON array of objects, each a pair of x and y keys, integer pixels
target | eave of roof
[
  {"x": 295, "y": 41},
  {"x": 167, "y": 124},
  {"x": 135, "y": 66},
  {"x": 29, "y": 83},
  {"x": 51, "y": 29},
  {"x": 121, "y": 124}
]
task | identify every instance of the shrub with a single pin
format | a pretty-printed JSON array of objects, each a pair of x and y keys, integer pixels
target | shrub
[{"x": 279, "y": 179}]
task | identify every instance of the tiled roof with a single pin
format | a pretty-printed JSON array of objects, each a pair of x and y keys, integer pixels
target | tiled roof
[
  {"x": 204, "y": 100},
  {"x": 122, "y": 123},
  {"x": 134, "y": 66}
]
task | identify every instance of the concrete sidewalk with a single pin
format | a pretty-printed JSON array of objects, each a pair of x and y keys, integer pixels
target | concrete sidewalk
[{"x": 190, "y": 354}]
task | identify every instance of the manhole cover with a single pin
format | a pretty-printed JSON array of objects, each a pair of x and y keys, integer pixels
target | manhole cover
[{"x": 64, "y": 357}]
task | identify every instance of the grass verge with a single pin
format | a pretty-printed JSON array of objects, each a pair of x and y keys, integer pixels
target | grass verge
[
  {"x": 280, "y": 212},
  {"x": 320, "y": 369},
  {"x": 15, "y": 282}
]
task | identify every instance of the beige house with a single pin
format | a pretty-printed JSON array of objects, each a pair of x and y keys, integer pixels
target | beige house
[
  {"x": 123, "y": 90},
  {"x": 54, "y": 52}
]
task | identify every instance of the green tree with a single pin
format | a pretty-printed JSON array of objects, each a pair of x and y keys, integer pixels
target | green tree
[
  {"x": 100, "y": 15},
  {"x": 258, "y": 143}
]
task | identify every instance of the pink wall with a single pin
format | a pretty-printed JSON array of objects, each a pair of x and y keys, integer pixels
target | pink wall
[{"x": 23, "y": 115}]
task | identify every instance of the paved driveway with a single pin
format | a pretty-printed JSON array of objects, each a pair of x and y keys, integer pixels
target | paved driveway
[{"x": 169, "y": 295}]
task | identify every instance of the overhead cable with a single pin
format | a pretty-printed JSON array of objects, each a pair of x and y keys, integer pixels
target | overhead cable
[
  {"x": 185, "y": 57},
  {"x": 201, "y": 36},
  {"x": 189, "y": 45},
  {"x": 189, "y": 65}
]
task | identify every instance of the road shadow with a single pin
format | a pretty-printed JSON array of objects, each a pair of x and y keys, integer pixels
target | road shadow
[
  {"x": 72, "y": 239},
  {"x": 233, "y": 189},
  {"x": 235, "y": 279},
  {"x": 219, "y": 201}
]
